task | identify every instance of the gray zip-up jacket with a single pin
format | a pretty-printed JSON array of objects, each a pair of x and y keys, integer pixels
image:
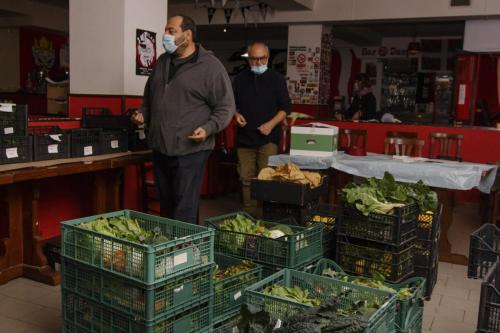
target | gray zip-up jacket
[{"x": 199, "y": 94}]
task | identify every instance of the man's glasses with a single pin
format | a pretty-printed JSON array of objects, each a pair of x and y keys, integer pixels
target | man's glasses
[{"x": 255, "y": 59}]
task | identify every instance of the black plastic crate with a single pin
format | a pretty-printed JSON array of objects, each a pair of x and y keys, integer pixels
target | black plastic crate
[
  {"x": 114, "y": 141},
  {"x": 273, "y": 211},
  {"x": 484, "y": 250},
  {"x": 16, "y": 149},
  {"x": 326, "y": 216},
  {"x": 288, "y": 192},
  {"x": 393, "y": 229},
  {"x": 85, "y": 142},
  {"x": 429, "y": 225},
  {"x": 361, "y": 257},
  {"x": 430, "y": 274},
  {"x": 50, "y": 143},
  {"x": 426, "y": 252},
  {"x": 14, "y": 123},
  {"x": 52, "y": 250},
  {"x": 489, "y": 304},
  {"x": 96, "y": 117}
]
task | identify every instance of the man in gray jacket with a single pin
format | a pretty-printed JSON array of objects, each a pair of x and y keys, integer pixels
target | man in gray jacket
[{"x": 187, "y": 100}]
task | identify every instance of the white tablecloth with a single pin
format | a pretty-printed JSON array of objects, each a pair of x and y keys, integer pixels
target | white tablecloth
[{"x": 435, "y": 173}]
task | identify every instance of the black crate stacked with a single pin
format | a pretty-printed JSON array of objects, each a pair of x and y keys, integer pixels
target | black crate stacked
[
  {"x": 113, "y": 137},
  {"x": 15, "y": 143},
  {"x": 382, "y": 243},
  {"x": 50, "y": 143},
  {"x": 484, "y": 263},
  {"x": 426, "y": 258}
]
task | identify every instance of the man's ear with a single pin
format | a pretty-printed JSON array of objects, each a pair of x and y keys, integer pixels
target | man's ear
[{"x": 189, "y": 35}]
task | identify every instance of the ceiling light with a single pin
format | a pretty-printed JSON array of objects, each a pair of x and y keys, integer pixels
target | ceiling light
[
  {"x": 225, "y": 30},
  {"x": 244, "y": 55}
]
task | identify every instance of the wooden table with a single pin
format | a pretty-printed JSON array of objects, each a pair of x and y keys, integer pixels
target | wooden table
[{"x": 21, "y": 244}]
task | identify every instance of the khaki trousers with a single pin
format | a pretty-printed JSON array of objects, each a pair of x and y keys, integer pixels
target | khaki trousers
[{"x": 250, "y": 162}]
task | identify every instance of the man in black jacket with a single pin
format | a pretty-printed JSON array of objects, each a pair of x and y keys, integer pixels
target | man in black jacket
[
  {"x": 262, "y": 103},
  {"x": 187, "y": 99}
]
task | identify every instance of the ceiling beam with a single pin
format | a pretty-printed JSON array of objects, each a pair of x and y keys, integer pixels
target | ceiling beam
[{"x": 290, "y": 4}]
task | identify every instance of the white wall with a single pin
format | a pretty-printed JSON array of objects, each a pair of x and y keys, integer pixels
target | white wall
[
  {"x": 36, "y": 14},
  {"x": 355, "y": 10},
  {"x": 482, "y": 36},
  {"x": 9, "y": 59},
  {"x": 151, "y": 17},
  {"x": 96, "y": 46}
]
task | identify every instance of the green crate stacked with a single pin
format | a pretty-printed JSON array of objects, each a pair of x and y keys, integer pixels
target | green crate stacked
[
  {"x": 231, "y": 277},
  {"x": 409, "y": 293},
  {"x": 296, "y": 248},
  {"x": 377, "y": 243},
  {"x": 159, "y": 282},
  {"x": 318, "y": 289}
]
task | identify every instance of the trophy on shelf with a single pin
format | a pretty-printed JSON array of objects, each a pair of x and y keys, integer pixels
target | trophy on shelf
[{"x": 44, "y": 56}]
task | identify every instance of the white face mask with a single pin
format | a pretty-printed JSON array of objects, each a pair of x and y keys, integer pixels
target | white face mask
[{"x": 258, "y": 69}]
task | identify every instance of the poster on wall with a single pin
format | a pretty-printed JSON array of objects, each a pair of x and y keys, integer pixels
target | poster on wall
[{"x": 145, "y": 55}]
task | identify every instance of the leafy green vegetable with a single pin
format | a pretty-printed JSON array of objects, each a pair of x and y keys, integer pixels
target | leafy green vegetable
[
  {"x": 382, "y": 196},
  {"x": 296, "y": 294}
]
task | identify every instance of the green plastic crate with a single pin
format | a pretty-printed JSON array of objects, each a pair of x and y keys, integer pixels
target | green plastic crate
[
  {"x": 322, "y": 288},
  {"x": 145, "y": 302},
  {"x": 405, "y": 309},
  {"x": 415, "y": 323},
  {"x": 191, "y": 246},
  {"x": 326, "y": 217},
  {"x": 81, "y": 315},
  {"x": 268, "y": 270},
  {"x": 229, "y": 325},
  {"x": 228, "y": 292},
  {"x": 287, "y": 252}
]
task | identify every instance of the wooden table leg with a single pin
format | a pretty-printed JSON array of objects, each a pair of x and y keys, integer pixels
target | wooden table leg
[
  {"x": 446, "y": 223},
  {"x": 11, "y": 233}
]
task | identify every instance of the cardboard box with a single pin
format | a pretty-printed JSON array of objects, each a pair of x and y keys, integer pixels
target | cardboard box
[
  {"x": 314, "y": 139},
  {"x": 57, "y": 91},
  {"x": 57, "y": 106}
]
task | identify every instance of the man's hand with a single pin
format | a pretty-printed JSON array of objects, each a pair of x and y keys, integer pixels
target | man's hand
[
  {"x": 137, "y": 118},
  {"x": 240, "y": 120},
  {"x": 199, "y": 135},
  {"x": 265, "y": 128}
]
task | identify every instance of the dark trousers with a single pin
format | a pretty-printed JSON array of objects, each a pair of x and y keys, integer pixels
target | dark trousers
[{"x": 178, "y": 182}]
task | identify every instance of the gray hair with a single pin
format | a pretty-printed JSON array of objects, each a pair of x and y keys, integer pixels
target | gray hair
[{"x": 249, "y": 48}]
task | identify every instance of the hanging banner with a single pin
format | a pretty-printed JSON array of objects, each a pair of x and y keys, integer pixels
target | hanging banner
[
  {"x": 263, "y": 10},
  {"x": 210, "y": 12},
  {"x": 223, "y": 2},
  {"x": 145, "y": 55},
  {"x": 212, "y": 2},
  {"x": 244, "y": 14},
  {"x": 228, "y": 12}
]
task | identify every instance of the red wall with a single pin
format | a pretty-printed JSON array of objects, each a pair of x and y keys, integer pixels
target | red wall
[{"x": 488, "y": 83}]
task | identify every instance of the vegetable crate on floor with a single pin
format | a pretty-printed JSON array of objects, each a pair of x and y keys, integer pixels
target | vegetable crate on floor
[
  {"x": 228, "y": 291},
  {"x": 140, "y": 301},
  {"x": 323, "y": 289},
  {"x": 302, "y": 246},
  {"x": 406, "y": 308},
  {"x": 430, "y": 274},
  {"x": 484, "y": 250},
  {"x": 393, "y": 229},
  {"x": 489, "y": 305},
  {"x": 429, "y": 224},
  {"x": 306, "y": 267},
  {"x": 288, "y": 192},
  {"x": 82, "y": 315},
  {"x": 229, "y": 325},
  {"x": 359, "y": 257},
  {"x": 187, "y": 246},
  {"x": 273, "y": 211},
  {"x": 415, "y": 324},
  {"x": 325, "y": 216}
]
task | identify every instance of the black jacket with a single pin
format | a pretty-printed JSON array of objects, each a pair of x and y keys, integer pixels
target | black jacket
[{"x": 258, "y": 99}]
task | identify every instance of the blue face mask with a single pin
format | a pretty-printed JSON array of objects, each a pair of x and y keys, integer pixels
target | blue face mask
[
  {"x": 169, "y": 44},
  {"x": 260, "y": 69}
]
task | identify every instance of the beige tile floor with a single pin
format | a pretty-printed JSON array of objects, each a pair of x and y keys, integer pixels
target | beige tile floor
[{"x": 28, "y": 306}]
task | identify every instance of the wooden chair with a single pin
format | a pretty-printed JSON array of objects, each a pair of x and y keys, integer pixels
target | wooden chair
[
  {"x": 401, "y": 135},
  {"x": 352, "y": 137},
  {"x": 445, "y": 142},
  {"x": 403, "y": 147}
]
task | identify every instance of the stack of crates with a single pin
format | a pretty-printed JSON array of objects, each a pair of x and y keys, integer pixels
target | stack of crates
[
  {"x": 296, "y": 251},
  {"x": 484, "y": 263},
  {"x": 298, "y": 203},
  {"x": 16, "y": 145},
  {"x": 426, "y": 257},
  {"x": 409, "y": 312},
  {"x": 382, "y": 243},
  {"x": 50, "y": 143},
  {"x": 114, "y": 285}
]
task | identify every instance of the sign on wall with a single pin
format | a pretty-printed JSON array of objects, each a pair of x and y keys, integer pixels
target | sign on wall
[
  {"x": 303, "y": 73},
  {"x": 145, "y": 55}
]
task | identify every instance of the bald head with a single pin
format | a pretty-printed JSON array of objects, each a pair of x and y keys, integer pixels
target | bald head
[{"x": 258, "y": 53}]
